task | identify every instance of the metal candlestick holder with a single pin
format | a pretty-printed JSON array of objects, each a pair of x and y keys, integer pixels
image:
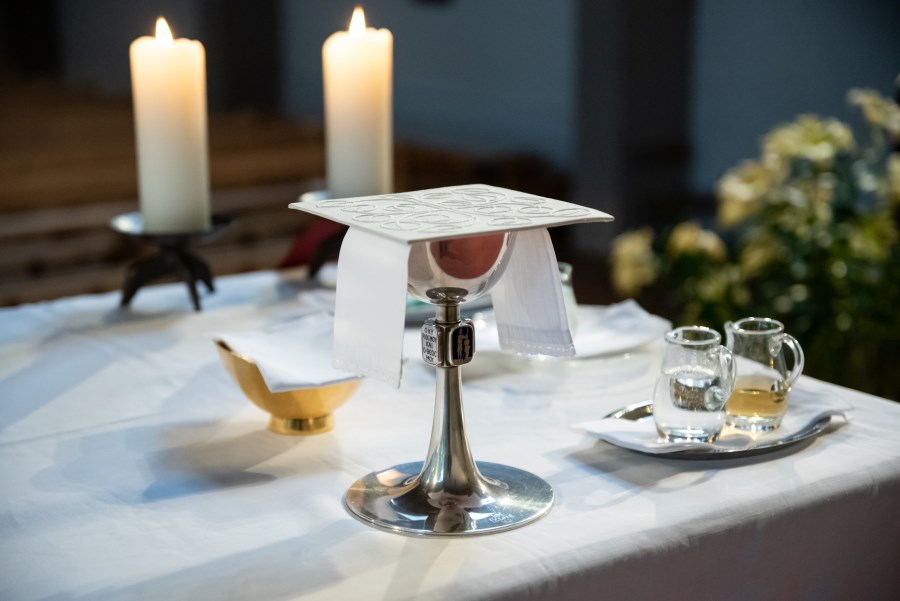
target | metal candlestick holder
[
  {"x": 172, "y": 258},
  {"x": 450, "y": 493}
]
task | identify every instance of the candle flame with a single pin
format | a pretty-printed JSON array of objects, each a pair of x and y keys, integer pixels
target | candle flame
[
  {"x": 358, "y": 22},
  {"x": 163, "y": 33}
]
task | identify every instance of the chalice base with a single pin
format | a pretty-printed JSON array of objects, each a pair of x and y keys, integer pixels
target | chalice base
[{"x": 395, "y": 500}]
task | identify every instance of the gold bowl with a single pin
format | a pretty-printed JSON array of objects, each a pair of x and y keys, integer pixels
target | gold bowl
[{"x": 294, "y": 412}]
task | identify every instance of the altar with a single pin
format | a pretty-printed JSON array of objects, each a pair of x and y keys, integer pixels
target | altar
[{"x": 133, "y": 467}]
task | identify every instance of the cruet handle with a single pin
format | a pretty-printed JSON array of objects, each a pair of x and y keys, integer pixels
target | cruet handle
[
  {"x": 729, "y": 336},
  {"x": 729, "y": 370},
  {"x": 792, "y": 344},
  {"x": 727, "y": 373}
]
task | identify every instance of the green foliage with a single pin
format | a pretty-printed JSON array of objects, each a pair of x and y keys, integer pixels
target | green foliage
[{"x": 807, "y": 234}]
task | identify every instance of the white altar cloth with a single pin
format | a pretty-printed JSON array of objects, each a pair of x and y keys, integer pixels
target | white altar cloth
[{"x": 132, "y": 467}]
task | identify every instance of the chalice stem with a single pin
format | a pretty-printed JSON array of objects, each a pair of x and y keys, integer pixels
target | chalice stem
[{"x": 449, "y": 467}]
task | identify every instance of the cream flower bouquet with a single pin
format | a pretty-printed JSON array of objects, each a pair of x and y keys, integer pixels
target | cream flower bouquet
[{"x": 807, "y": 234}]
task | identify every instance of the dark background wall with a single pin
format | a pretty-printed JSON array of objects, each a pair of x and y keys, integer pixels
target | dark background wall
[
  {"x": 762, "y": 62},
  {"x": 641, "y": 103}
]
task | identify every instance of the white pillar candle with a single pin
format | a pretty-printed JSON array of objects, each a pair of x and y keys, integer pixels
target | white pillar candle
[
  {"x": 168, "y": 81},
  {"x": 357, "y": 65}
]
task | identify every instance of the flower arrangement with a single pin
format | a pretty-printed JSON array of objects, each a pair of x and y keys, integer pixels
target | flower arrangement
[{"x": 807, "y": 234}]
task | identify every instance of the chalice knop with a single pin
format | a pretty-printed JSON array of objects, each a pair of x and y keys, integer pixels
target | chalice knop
[{"x": 449, "y": 493}]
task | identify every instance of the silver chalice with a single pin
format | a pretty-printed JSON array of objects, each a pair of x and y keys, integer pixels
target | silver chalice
[{"x": 449, "y": 493}]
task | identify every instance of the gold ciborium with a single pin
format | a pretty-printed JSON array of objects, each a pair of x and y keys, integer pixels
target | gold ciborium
[{"x": 294, "y": 412}]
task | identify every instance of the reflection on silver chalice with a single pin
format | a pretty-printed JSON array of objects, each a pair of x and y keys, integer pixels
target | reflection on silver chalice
[{"x": 450, "y": 493}]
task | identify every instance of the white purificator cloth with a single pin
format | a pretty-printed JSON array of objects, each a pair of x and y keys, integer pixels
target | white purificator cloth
[
  {"x": 373, "y": 268},
  {"x": 370, "y": 309},
  {"x": 528, "y": 300},
  {"x": 292, "y": 356}
]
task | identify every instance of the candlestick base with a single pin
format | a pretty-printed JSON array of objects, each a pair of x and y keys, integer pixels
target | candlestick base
[{"x": 173, "y": 257}]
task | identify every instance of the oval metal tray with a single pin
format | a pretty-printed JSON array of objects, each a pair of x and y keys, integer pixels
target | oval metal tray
[{"x": 644, "y": 410}]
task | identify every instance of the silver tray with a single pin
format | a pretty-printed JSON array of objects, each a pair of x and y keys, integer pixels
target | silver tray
[{"x": 644, "y": 410}]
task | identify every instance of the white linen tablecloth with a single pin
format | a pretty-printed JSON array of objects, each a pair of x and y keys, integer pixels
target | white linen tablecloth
[{"x": 132, "y": 467}]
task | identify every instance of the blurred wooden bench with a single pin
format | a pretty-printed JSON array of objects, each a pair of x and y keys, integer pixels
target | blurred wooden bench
[
  {"x": 67, "y": 165},
  {"x": 62, "y": 251}
]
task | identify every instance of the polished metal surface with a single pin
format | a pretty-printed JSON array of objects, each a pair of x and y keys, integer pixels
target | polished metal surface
[
  {"x": 449, "y": 494},
  {"x": 644, "y": 410},
  {"x": 314, "y": 196},
  {"x": 132, "y": 224},
  {"x": 294, "y": 412},
  {"x": 395, "y": 500},
  {"x": 460, "y": 270},
  {"x": 448, "y": 344}
]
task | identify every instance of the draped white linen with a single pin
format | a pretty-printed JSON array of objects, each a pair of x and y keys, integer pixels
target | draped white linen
[{"x": 132, "y": 467}]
